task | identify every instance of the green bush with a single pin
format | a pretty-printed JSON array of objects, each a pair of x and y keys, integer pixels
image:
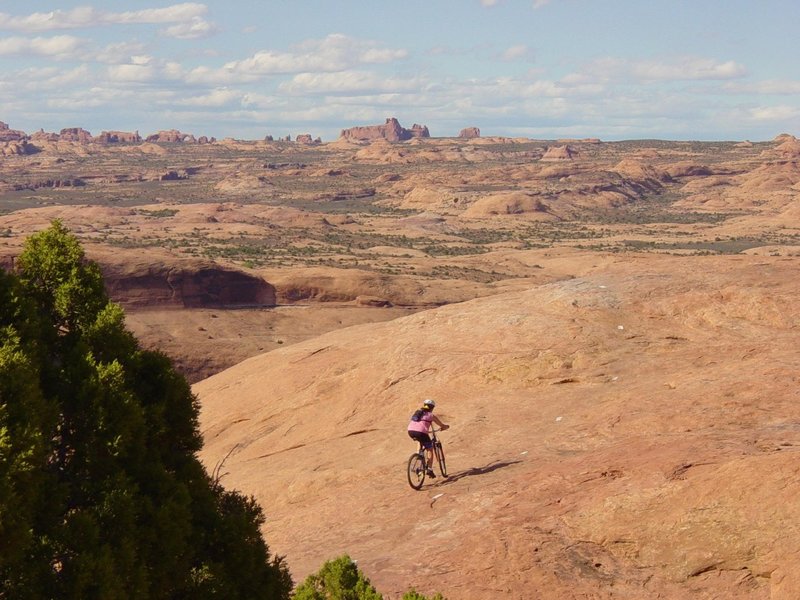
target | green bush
[
  {"x": 338, "y": 579},
  {"x": 341, "y": 579}
]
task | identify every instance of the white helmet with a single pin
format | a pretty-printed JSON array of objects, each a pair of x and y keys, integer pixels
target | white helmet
[{"x": 429, "y": 403}]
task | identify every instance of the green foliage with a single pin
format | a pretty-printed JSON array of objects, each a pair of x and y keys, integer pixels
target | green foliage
[
  {"x": 338, "y": 579},
  {"x": 101, "y": 494}
]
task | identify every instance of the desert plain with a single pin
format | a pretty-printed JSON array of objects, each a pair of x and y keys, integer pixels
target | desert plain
[{"x": 610, "y": 328}]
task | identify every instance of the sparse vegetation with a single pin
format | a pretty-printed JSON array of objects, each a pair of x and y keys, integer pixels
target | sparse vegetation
[{"x": 341, "y": 579}]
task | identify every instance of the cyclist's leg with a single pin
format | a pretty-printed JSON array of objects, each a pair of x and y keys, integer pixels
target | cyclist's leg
[{"x": 429, "y": 457}]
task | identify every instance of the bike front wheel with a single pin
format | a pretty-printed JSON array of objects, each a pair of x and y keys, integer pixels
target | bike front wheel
[
  {"x": 440, "y": 458},
  {"x": 416, "y": 471}
]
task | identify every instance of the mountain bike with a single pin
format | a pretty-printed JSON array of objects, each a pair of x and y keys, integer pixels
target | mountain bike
[{"x": 418, "y": 463}]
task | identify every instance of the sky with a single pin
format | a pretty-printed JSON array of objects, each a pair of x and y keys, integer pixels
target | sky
[{"x": 543, "y": 69}]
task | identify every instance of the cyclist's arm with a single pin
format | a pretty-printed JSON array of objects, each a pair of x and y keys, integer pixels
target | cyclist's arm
[{"x": 439, "y": 422}]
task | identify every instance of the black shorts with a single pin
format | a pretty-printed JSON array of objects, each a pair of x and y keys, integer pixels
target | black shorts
[{"x": 422, "y": 438}]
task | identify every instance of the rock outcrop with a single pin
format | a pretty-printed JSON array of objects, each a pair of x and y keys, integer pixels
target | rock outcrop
[
  {"x": 10, "y": 135},
  {"x": 20, "y": 148},
  {"x": 631, "y": 433},
  {"x": 188, "y": 284},
  {"x": 305, "y": 138},
  {"x": 470, "y": 133},
  {"x": 171, "y": 136},
  {"x": 119, "y": 137},
  {"x": 44, "y": 136},
  {"x": 558, "y": 153},
  {"x": 75, "y": 134},
  {"x": 391, "y": 131}
]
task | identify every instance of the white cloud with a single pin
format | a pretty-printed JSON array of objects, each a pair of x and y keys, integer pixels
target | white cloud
[
  {"x": 119, "y": 52},
  {"x": 214, "y": 99},
  {"x": 775, "y": 113},
  {"x": 331, "y": 54},
  {"x": 772, "y": 87},
  {"x": 514, "y": 53},
  {"x": 540, "y": 3},
  {"x": 58, "y": 47},
  {"x": 350, "y": 82},
  {"x": 132, "y": 73},
  {"x": 87, "y": 16},
  {"x": 191, "y": 30},
  {"x": 489, "y": 3},
  {"x": 688, "y": 68},
  {"x": 676, "y": 69},
  {"x": 93, "y": 97},
  {"x": 169, "y": 14}
]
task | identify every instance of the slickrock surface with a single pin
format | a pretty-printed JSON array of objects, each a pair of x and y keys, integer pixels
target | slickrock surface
[{"x": 629, "y": 433}]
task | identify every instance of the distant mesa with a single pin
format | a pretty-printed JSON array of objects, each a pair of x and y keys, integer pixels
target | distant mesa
[
  {"x": 119, "y": 137},
  {"x": 171, "y": 136},
  {"x": 469, "y": 133},
  {"x": 391, "y": 131},
  {"x": 271, "y": 138},
  {"x": 75, "y": 134},
  {"x": 44, "y": 136},
  {"x": 305, "y": 138}
]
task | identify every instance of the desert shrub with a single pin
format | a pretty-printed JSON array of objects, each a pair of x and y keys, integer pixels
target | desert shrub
[
  {"x": 413, "y": 594},
  {"x": 341, "y": 579},
  {"x": 338, "y": 579}
]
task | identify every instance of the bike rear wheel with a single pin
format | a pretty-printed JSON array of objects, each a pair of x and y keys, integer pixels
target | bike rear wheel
[
  {"x": 440, "y": 458},
  {"x": 416, "y": 471}
]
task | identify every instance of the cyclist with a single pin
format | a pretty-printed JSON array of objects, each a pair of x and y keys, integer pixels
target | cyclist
[{"x": 420, "y": 425}]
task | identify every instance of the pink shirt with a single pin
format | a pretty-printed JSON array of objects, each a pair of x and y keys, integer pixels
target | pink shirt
[{"x": 424, "y": 424}]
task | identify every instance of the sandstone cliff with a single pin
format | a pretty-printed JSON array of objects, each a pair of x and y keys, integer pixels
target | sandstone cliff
[{"x": 391, "y": 131}]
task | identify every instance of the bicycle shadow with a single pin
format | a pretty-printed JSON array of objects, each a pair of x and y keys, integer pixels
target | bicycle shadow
[{"x": 474, "y": 471}]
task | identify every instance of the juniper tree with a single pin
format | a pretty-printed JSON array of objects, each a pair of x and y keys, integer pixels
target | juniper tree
[{"x": 102, "y": 495}]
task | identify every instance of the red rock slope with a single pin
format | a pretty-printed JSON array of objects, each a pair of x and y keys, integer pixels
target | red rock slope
[{"x": 634, "y": 433}]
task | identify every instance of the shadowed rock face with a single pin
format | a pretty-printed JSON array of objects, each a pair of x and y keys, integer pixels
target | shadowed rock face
[
  {"x": 188, "y": 286},
  {"x": 391, "y": 131}
]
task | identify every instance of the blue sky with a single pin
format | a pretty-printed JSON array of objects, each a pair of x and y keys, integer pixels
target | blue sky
[{"x": 613, "y": 69}]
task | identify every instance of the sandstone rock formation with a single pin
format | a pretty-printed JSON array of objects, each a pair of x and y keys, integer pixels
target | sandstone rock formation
[
  {"x": 20, "y": 148},
  {"x": 44, "y": 136},
  {"x": 790, "y": 148},
  {"x": 119, "y": 137},
  {"x": 391, "y": 131},
  {"x": 75, "y": 134},
  {"x": 171, "y": 136},
  {"x": 10, "y": 135},
  {"x": 305, "y": 138},
  {"x": 470, "y": 133},
  {"x": 186, "y": 283},
  {"x": 556, "y": 153},
  {"x": 242, "y": 183},
  {"x": 508, "y": 203}
]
